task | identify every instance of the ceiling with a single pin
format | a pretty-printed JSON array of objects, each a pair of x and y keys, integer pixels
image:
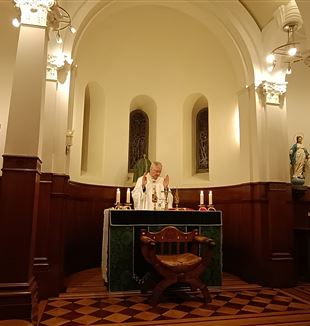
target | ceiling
[{"x": 262, "y": 10}]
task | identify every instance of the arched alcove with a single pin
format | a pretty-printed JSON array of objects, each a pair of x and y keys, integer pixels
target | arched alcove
[
  {"x": 201, "y": 122},
  {"x": 128, "y": 60},
  {"x": 138, "y": 146},
  {"x": 193, "y": 105},
  {"x": 147, "y": 105},
  {"x": 93, "y": 127}
]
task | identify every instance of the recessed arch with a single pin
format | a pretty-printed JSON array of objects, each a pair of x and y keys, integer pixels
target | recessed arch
[
  {"x": 138, "y": 146},
  {"x": 234, "y": 33},
  {"x": 193, "y": 105},
  {"x": 92, "y": 133},
  {"x": 201, "y": 121},
  {"x": 147, "y": 105},
  {"x": 141, "y": 64}
]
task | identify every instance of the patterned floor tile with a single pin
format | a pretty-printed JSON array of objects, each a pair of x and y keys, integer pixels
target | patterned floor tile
[
  {"x": 57, "y": 312},
  {"x": 117, "y": 318},
  {"x": 135, "y": 308}
]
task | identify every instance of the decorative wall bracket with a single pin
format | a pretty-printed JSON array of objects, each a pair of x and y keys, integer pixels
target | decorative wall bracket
[
  {"x": 56, "y": 62},
  {"x": 272, "y": 91},
  {"x": 34, "y": 12}
]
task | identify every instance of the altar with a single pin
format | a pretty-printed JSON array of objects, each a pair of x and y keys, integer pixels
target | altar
[{"x": 123, "y": 266}]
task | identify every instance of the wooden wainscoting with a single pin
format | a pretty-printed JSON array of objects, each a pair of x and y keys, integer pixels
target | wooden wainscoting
[
  {"x": 258, "y": 229},
  {"x": 19, "y": 199}
]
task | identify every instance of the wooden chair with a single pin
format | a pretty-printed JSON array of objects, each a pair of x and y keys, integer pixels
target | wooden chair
[{"x": 175, "y": 256}]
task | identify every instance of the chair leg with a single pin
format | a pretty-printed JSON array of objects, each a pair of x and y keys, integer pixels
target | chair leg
[
  {"x": 206, "y": 294},
  {"x": 198, "y": 284},
  {"x": 159, "y": 289}
]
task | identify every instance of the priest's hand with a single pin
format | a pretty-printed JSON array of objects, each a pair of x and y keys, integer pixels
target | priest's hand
[
  {"x": 144, "y": 180},
  {"x": 166, "y": 181}
]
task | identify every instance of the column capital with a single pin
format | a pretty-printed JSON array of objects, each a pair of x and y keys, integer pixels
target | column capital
[
  {"x": 34, "y": 12},
  {"x": 272, "y": 91},
  {"x": 52, "y": 67},
  {"x": 56, "y": 62}
]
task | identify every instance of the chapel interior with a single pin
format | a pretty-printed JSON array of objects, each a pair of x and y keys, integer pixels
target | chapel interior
[{"x": 78, "y": 77}]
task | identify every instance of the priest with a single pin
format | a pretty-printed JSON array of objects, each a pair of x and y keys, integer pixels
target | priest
[{"x": 152, "y": 191}]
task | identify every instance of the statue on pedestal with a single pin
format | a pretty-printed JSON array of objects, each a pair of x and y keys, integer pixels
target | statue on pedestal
[{"x": 298, "y": 159}]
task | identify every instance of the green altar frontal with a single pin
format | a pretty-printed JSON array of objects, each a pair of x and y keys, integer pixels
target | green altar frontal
[{"x": 126, "y": 268}]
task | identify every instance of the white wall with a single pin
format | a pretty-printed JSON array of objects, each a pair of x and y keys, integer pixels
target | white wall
[
  {"x": 285, "y": 121},
  {"x": 167, "y": 56},
  {"x": 161, "y": 53},
  {"x": 298, "y": 108}
]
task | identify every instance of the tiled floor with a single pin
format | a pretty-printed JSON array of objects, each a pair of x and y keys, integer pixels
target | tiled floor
[{"x": 133, "y": 309}]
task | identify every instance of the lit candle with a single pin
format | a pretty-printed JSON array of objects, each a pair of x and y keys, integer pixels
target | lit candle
[
  {"x": 210, "y": 197},
  {"x": 118, "y": 195},
  {"x": 128, "y": 196},
  {"x": 202, "y": 199}
]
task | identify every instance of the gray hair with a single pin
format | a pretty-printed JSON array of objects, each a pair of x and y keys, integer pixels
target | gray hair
[{"x": 156, "y": 163}]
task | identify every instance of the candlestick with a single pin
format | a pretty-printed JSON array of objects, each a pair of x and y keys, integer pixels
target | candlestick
[
  {"x": 210, "y": 198},
  {"x": 118, "y": 195},
  {"x": 128, "y": 196},
  {"x": 176, "y": 198},
  {"x": 202, "y": 199}
]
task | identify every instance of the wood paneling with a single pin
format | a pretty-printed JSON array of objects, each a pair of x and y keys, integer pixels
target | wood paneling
[
  {"x": 258, "y": 228},
  {"x": 49, "y": 255},
  {"x": 83, "y": 224},
  {"x": 258, "y": 233},
  {"x": 0, "y": 192},
  {"x": 19, "y": 206}
]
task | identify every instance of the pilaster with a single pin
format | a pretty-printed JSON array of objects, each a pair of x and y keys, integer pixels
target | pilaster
[
  {"x": 22, "y": 165},
  {"x": 57, "y": 139},
  {"x": 271, "y": 96},
  {"x": 19, "y": 195}
]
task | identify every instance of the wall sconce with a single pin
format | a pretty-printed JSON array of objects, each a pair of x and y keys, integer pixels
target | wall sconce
[{"x": 69, "y": 140}]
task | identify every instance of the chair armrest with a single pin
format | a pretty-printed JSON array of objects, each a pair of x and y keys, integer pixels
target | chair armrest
[
  {"x": 204, "y": 240},
  {"x": 147, "y": 241},
  {"x": 148, "y": 248}
]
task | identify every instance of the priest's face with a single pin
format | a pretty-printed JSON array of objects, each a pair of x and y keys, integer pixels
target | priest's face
[{"x": 155, "y": 171}]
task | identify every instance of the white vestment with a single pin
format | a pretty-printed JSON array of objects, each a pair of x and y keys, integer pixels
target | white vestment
[{"x": 153, "y": 195}]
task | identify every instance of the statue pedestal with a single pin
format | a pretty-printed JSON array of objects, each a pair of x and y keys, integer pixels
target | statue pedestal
[
  {"x": 298, "y": 187},
  {"x": 298, "y": 181}
]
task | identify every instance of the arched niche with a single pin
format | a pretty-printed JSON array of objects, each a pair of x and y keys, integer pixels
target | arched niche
[
  {"x": 193, "y": 105},
  {"x": 147, "y": 105},
  {"x": 93, "y": 130},
  {"x": 138, "y": 146}
]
